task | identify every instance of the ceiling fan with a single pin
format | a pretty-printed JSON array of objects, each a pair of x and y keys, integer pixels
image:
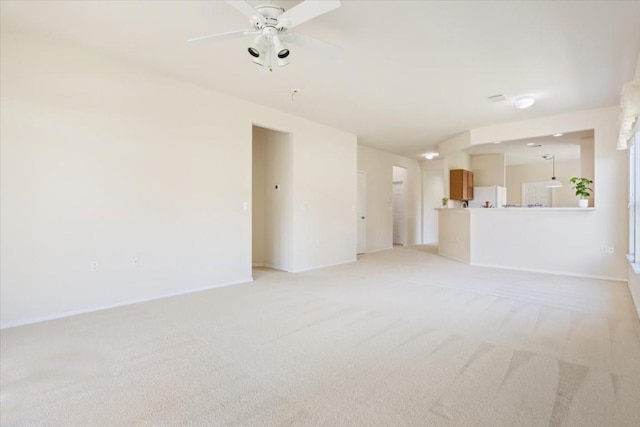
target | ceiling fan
[{"x": 271, "y": 24}]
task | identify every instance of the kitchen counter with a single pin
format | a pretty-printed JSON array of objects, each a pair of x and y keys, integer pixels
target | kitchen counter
[
  {"x": 520, "y": 209},
  {"x": 552, "y": 240}
]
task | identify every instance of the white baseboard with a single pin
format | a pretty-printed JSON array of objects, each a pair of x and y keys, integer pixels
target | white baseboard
[
  {"x": 465, "y": 261},
  {"x": 324, "y": 266},
  {"x": 559, "y": 273},
  {"x": 114, "y": 305},
  {"x": 378, "y": 250},
  {"x": 275, "y": 267}
]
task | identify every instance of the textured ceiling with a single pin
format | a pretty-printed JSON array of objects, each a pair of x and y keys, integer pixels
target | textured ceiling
[{"x": 410, "y": 75}]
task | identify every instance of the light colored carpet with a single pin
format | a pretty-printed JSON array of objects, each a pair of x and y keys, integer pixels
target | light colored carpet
[{"x": 400, "y": 338}]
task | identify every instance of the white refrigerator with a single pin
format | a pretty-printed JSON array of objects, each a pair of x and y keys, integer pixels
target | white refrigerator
[{"x": 496, "y": 195}]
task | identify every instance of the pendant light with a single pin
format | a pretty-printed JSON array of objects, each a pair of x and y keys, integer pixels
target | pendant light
[{"x": 553, "y": 182}]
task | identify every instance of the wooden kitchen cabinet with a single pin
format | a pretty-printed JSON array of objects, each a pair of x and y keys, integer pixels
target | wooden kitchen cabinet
[{"x": 460, "y": 184}]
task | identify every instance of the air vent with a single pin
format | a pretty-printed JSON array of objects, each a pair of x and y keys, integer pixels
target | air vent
[{"x": 496, "y": 98}]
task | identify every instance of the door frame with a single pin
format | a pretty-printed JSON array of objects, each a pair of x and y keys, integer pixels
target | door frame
[
  {"x": 287, "y": 230},
  {"x": 403, "y": 209},
  {"x": 358, "y": 213}
]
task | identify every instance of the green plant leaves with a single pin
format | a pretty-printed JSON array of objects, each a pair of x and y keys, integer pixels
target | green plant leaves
[{"x": 581, "y": 186}]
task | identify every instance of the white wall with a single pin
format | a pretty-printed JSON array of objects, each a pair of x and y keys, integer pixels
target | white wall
[
  {"x": 433, "y": 180},
  {"x": 607, "y": 224},
  {"x": 541, "y": 239},
  {"x": 258, "y": 197},
  {"x": 324, "y": 164},
  {"x": 104, "y": 162},
  {"x": 488, "y": 169},
  {"x": 562, "y": 197},
  {"x": 400, "y": 205},
  {"x": 379, "y": 168},
  {"x": 538, "y": 239},
  {"x": 454, "y": 234}
]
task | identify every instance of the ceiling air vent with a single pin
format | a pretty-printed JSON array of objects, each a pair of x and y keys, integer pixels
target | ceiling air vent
[{"x": 496, "y": 98}]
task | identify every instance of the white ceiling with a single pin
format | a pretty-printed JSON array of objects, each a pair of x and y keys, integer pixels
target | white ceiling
[
  {"x": 411, "y": 73},
  {"x": 565, "y": 148}
]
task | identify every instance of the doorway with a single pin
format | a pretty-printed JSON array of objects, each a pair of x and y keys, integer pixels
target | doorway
[
  {"x": 271, "y": 199},
  {"x": 361, "y": 213},
  {"x": 398, "y": 205}
]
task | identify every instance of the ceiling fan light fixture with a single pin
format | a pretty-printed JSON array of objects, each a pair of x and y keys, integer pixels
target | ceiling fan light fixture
[
  {"x": 281, "y": 49},
  {"x": 282, "y": 61},
  {"x": 283, "y": 53},
  {"x": 259, "y": 61},
  {"x": 268, "y": 21},
  {"x": 257, "y": 47},
  {"x": 524, "y": 102}
]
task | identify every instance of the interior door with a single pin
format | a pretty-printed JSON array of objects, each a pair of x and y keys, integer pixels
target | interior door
[{"x": 361, "y": 213}]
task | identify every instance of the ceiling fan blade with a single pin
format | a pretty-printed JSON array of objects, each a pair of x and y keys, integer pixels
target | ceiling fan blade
[
  {"x": 305, "y": 41},
  {"x": 305, "y": 11},
  {"x": 246, "y": 9},
  {"x": 221, "y": 36}
]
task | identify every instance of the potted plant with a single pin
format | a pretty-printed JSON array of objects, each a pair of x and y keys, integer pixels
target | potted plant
[
  {"x": 445, "y": 202},
  {"x": 582, "y": 190}
]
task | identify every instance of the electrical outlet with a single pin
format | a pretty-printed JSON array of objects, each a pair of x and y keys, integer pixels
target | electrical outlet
[
  {"x": 94, "y": 266},
  {"x": 136, "y": 261},
  {"x": 609, "y": 249}
]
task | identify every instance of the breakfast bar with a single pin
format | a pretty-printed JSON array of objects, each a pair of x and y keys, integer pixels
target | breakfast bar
[{"x": 552, "y": 240}]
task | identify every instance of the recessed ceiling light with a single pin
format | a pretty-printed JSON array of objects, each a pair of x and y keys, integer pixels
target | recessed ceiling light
[
  {"x": 524, "y": 102},
  {"x": 533, "y": 144},
  {"x": 497, "y": 142},
  {"x": 430, "y": 156},
  {"x": 558, "y": 134}
]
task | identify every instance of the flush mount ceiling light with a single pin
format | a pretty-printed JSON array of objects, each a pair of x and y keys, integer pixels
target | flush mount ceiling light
[
  {"x": 553, "y": 182},
  {"x": 533, "y": 144},
  {"x": 497, "y": 142},
  {"x": 524, "y": 102},
  {"x": 558, "y": 134},
  {"x": 430, "y": 156}
]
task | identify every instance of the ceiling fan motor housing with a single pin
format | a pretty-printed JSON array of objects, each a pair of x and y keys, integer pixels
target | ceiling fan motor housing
[{"x": 270, "y": 11}]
